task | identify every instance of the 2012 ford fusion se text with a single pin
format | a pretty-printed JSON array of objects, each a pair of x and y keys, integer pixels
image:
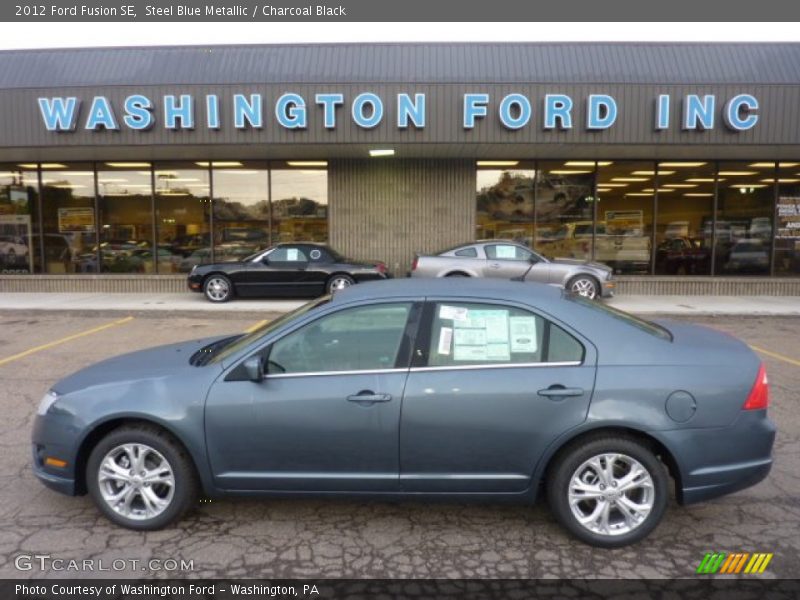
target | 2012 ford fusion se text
[{"x": 464, "y": 389}]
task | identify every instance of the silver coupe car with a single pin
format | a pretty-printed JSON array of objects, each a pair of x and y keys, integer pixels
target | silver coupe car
[
  {"x": 503, "y": 259},
  {"x": 468, "y": 389}
]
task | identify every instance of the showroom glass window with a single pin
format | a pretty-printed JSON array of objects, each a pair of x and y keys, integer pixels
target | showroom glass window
[
  {"x": 183, "y": 215},
  {"x": 299, "y": 201},
  {"x": 624, "y": 228},
  {"x": 684, "y": 217},
  {"x": 504, "y": 200},
  {"x": 745, "y": 210},
  {"x": 241, "y": 209},
  {"x": 565, "y": 208},
  {"x": 19, "y": 193},
  {"x": 787, "y": 227},
  {"x": 126, "y": 220},
  {"x": 68, "y": 216}
]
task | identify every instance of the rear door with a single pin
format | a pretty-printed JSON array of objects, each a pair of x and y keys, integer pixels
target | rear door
[{"x": 491, "y": 386}]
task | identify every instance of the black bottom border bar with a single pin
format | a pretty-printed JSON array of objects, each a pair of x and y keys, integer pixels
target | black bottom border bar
[{"x": 701, "y": 588}]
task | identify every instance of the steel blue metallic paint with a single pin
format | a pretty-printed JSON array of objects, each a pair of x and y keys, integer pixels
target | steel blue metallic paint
[{"x": 480, "y": 432}]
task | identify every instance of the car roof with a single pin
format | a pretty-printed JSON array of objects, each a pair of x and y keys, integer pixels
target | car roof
[{"x": 526, "y": 292}]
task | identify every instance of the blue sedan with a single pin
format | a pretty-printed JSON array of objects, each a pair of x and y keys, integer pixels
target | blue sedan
[{"x": 465, "y": 389}]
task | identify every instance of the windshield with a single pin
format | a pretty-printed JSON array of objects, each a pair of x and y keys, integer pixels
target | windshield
[
  {"x": 646, "y": 326},
  {"x": 237, "y": 343}
]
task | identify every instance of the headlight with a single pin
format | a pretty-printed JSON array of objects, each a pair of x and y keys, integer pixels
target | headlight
[{"x": 46, "y": 402}]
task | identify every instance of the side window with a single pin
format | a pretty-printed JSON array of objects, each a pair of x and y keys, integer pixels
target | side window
[
  {"x": 470, "y": 252},
  {"x": 506, "y": 252},
  {"x": 562, "y": 347},
  {"x": 354, "y": 339},
  {"x": 486, "y": 334},
  {"x": 288, "y": 254}
]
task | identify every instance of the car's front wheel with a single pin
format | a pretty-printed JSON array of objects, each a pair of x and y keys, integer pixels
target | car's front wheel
[
  {"x": 584, "y": 285},
  {"x": 608, "y": 491},
  {"x": 218, "y": 288},
  {"x": 141, "y": 478}
]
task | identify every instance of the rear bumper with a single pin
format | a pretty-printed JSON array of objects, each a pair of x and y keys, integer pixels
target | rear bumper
[{"x": 716, "y": 462}]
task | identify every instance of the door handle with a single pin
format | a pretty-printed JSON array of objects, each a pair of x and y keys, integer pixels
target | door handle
[
  {"x": 559, "y": 391},
  {"x": 369, "y": 397},
  {"x": 494, "y": 265}
]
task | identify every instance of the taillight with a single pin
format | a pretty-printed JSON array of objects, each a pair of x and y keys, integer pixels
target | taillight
[
  {"x": 415, "y": 263},
  {"x": 381, "y": 268},
  {"x": 759, "y": 395}
]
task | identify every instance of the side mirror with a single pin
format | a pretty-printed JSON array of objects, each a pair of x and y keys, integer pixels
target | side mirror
[
  {"x": 533, "y": 259},
  {"x": 265, "y": 260},
  {"x": 254, "y": 367}
]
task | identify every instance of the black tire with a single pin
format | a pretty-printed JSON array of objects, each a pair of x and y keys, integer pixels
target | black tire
[
  {"x": 186, "y": 487},
  {"x": 581, "y": 281},
  {"x": 456, "y": 275},
  {"x": 338, "y": 281},
  {"x": 217, "y": 288},
  {"x": 573, "y": 458}
]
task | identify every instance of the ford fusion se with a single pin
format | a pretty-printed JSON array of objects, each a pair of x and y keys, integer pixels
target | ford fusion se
[{"x": 468, "y": 388}]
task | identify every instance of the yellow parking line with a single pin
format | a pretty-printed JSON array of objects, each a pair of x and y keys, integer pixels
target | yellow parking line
[
  {"x": 64, "y": 340},
  {"x": 791, "y": 361},
  {"x": 252, "y": 328}
]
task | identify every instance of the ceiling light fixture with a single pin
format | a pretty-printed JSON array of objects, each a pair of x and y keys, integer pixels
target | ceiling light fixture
[{"x": 381, "y": 152}]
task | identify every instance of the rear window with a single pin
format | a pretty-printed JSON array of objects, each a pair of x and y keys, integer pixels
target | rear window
[{"x": 641, "y": 324}]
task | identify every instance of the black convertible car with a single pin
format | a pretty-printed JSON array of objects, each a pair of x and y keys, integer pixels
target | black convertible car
[{"x": 288, "y": 270}]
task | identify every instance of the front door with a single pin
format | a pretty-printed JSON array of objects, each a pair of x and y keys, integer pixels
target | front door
[
  {"x": 506, "y": 261},
  {"x": 495, "y": 386},
  {"x": 326, "y": 416}
]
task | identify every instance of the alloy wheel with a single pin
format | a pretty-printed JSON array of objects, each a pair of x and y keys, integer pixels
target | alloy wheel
[
  {"x": 611, "y": 494},
  {"x": 339, "y": 283},
  {"x": 136, "y": 481},
  {"x": 217, "y": 289},
  {"x": 584, "y": 287}
]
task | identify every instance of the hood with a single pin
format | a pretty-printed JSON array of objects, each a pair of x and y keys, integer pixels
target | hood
[
  {"x": 585, "y": 263},
  {"x": 153, "y": 363}
]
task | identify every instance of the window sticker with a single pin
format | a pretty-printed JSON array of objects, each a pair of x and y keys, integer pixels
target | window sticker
[
  {"x": 523, "y": 334},
  {"x": 315, "y": 254},
  {"x": 470, "y": 337},
  {"x": 498, "y": 352},
  {"x": 505, "y": 252},
  {"x": 469, "y": 353},
  {"x": 495, "y": 322},
  {"x": 445, "y": 341},
  {"x": 455, "y": 313},
  {"x": 292, "y": 254}
]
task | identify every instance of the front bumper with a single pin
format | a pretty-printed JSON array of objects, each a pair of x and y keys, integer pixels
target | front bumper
[
  {"x": 607, "y": 287},
  {"x": 49, "y": 439},
  {"x": 716, "y": 462}
]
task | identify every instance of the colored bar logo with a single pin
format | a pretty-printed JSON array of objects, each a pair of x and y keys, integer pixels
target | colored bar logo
[{"x": 734, "y": 563}]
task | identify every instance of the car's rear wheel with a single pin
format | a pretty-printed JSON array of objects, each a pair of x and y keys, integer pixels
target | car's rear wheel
[
  {"x": 218, "y": 288},
  {"x": 338, "y": 282},
  {"x": 457, "y": 274},
  {"x": 140, "y": 477},
  {"x": 584, "y": 285},
  {"x": 608, "y": 491}
]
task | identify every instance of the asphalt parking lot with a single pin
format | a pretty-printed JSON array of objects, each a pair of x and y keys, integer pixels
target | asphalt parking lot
[{"x": 322, "y": 538}]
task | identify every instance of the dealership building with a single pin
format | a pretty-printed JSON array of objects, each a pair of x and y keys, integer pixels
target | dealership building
[{"x": 676, "y": 164}]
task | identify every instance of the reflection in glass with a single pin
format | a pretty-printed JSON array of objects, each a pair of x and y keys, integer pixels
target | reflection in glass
[
  {"x": 19, "y": 191},
  {"x": 685, "y": 210},
  {"x": 745, "y": 206},
  {"x": 787, "y": 228},
  {"x": 625, "y": 194},
  {"x": 299, "y": 204},
  {"x": 564, "y": 207},
  {"x": 126, "y": 224},
  {"x": 182, "y": 216},
  {"x": 504, "y": 203},
  {"x": 68, "y": 216},
  {"x": 241, "y": 211}
]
